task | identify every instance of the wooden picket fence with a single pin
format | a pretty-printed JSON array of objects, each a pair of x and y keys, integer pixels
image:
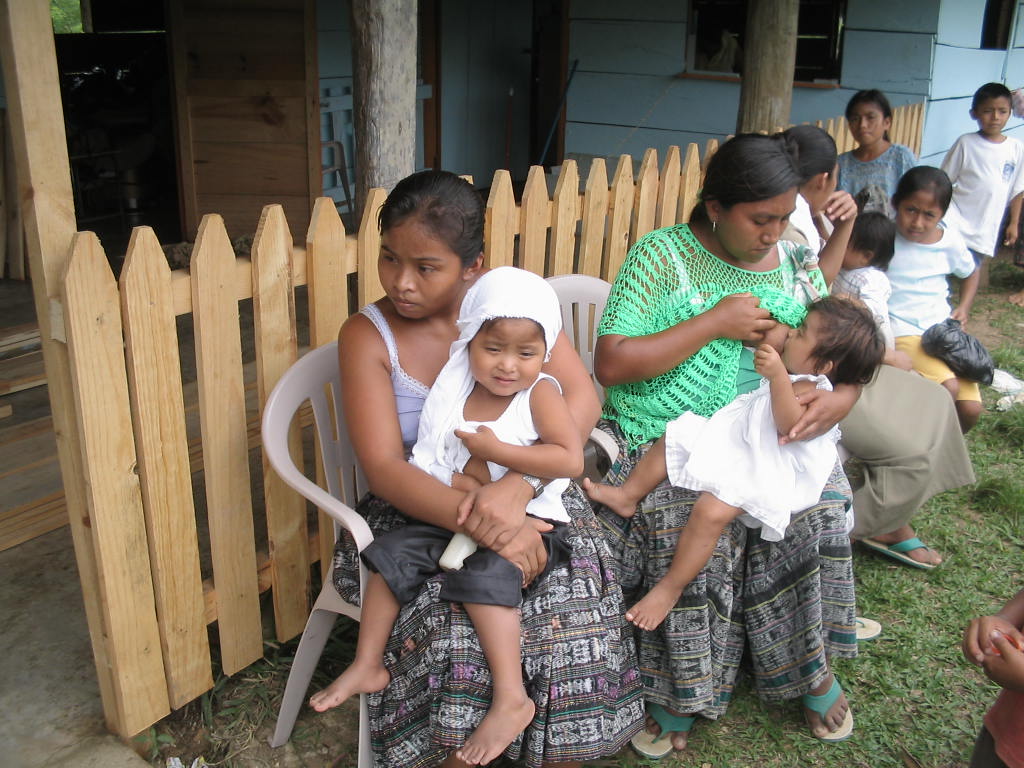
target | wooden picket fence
[{"x": 142, "y": 444}]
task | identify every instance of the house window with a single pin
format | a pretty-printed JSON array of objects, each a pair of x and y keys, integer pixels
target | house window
[
  {"x": 718, "y": 34},
  {"x": 995, "y": 28}
]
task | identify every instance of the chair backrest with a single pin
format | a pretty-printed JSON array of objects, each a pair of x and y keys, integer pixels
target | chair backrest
[
  {"x": 315, "y": 378},
  {"x": 582, "y": 299}
]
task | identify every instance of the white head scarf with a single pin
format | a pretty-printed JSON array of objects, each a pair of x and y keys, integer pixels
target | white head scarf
[{"x": 501, "y": 292}]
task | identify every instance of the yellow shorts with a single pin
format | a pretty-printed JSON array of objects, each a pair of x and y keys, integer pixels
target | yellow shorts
[{"x": 934, "y": 369}]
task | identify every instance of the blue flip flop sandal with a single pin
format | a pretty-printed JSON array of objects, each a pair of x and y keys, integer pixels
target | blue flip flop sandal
[
  {"x": 656, "y": 747},
  {"x": 899, "y": 550},
  {"x": 822, "y": 704}
]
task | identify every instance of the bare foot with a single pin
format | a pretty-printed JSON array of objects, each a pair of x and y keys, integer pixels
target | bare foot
[
  {"x": 499, "y": 728},
  {"x": 833, "y": 718},
  {"x": 356, "y": 679},
  {"x": 679, "y": 739},
  {"x": 613, "y": 497},
  {"x": 921, "y": 555},
  {"x": 654, "y": 606},
  {"x": 1017, "y": 298}
]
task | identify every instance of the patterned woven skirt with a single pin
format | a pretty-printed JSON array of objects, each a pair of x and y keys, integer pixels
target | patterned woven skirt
[
  {"x": 579, "y": 662},
  {"x": 789, "y": 603}
]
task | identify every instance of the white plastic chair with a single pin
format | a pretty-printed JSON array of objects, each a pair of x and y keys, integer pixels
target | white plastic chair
[
  {"x": 582, "y": 299},
  {"x": 316, "y": 378}
]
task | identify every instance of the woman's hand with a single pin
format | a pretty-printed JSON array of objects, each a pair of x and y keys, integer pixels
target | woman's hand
[
  {"x": 822, "y": 411},
  {"x": 493, "y": 513},
  {"x": 840, "y": 206},
  {"x": 980, "y": 633},
  {"x": 526, "y": 550},
  {"x": 740, "y": 317}
]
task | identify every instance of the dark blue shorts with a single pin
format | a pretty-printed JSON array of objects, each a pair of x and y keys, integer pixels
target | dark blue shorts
[{"x": 407, "y": 557}]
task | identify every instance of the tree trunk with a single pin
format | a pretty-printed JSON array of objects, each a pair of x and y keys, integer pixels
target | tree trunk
[
  {"x": 766, "y": 88},
  {"x": 384, "y": 60}
]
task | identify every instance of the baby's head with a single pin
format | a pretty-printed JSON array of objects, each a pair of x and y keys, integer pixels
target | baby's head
[
  {"x": 871, "y": 242},
  {"x": 838, "y": 339},
  {"x": 508, "y": 323},
  {"x": 506, "y": 354}
]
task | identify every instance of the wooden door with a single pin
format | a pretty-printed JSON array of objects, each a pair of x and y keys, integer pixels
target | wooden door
[{"x": 247, "y": 110}]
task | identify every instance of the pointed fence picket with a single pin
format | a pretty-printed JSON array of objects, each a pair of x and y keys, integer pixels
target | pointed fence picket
[{"x": 148, "y": 440}]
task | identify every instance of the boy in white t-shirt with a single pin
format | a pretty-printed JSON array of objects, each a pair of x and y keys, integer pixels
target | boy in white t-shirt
[{"x": 987, "y": 171}]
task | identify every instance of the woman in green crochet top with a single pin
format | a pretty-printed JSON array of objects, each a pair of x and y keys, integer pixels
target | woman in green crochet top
[{"x": 675, "y": 337}]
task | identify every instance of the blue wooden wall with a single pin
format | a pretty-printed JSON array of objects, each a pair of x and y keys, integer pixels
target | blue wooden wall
[{"x": 626, "y": 96}]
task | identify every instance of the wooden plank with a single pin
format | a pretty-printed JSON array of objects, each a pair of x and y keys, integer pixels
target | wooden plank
[
  {"x": 328, "y": 309},
  {"x": 500, "y": 222},
  {"x": 245, "y": 43},
  {"x": 21, "y": 372},
  {"x": 668, "y": 190},
  {"x": 534, "y": 216},
  {"x": 276, "y": 351},
  {"x": 566, "y": 212},
  {"x": 595, "y": 209},
  {"x": 16, "y": 339},
  {"x": 5, "y": 201},
  {"x": 620, "y": 212},
  {"x": 645, "y": 208},
  {"x": 183, "y": 119},
  {"x": 247, "y": 110},
  {"x": 709, "y": 151},
  {"x": 19, "y": 525},
  {"x": 368, "y": 249},
  {"x": 228, "y": 168},
  {"x": 5, "y": 411},
  {"x": 689, "y": 184},
  {"x": 158, "y": 408},
  {"x": 113, "y": 496},
  {"x": 221, "y": 395}
]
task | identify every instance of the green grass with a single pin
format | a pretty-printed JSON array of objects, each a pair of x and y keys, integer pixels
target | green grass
[{"x": 916, "y": 701}]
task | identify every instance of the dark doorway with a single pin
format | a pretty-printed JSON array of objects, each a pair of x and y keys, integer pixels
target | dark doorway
[{"x": 549, "y": 77}]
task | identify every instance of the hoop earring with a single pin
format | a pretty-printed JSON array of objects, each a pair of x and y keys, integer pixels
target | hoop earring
[{"x": 714, "y": 226}]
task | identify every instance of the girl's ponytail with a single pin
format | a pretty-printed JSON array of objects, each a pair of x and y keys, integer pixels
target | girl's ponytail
[{"x": 813, "y": 150}]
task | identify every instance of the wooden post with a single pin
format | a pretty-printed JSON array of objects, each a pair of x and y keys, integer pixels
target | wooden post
[
  {"x": 44, "y": 190},
  {"x": 384, "y": 63},
  {"x": 766, "y": 87}
]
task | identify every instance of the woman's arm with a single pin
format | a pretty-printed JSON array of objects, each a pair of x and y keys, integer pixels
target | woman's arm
[
  {"x": 369, "y": 404},
  {"x": 558, "y": 453},
  {"x": 578, "y": 390},
  {"x": 623, "y": 359}
]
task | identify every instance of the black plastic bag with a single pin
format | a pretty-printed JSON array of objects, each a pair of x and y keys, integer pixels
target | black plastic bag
[{"x": 964, "y": 354}]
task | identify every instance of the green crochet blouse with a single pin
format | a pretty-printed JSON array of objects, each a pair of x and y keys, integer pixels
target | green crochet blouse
[{"x": 669, "y": 277}]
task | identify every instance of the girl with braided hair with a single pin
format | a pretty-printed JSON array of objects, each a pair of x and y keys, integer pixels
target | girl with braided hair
[{"x": 683, "y": 298}]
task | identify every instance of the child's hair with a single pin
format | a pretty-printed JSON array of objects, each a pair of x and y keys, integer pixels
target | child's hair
[
  {"x": 749, "y": 168},
  {"x": 848, "y": 338},
  {"x": 445, "y": 204},
  {"x": 870, "y": 96},
  {"x": 488, "y": 324},
  {"x": 990, "y": 91},
  {"x": 816, "y": 150},
  {"x": 874, "y": 233},
  {"x": 928, "y": 178}
]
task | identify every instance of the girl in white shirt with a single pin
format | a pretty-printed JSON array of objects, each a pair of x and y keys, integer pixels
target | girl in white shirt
[{"x": 926, "y": 253}]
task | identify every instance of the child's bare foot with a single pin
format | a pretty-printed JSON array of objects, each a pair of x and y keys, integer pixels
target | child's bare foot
[
  {"x": 355, "y": 679},
  {"x": 505, "y": 720},
  {"x": 1017, "y": 298},
  {"x": 613, "y": 497},
  {"x": 654, "y": 606}
]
